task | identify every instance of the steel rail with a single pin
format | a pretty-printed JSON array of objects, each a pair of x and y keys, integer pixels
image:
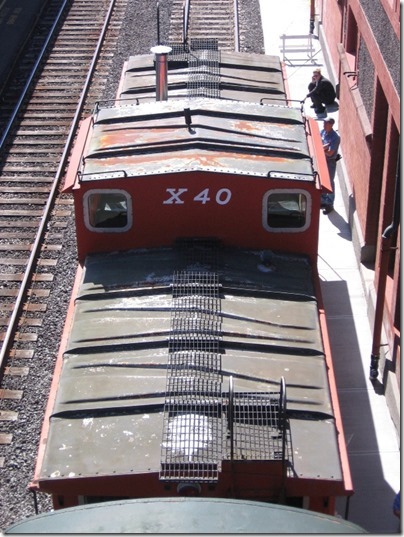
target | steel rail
[
  {"x": 236, "y": 27},
  {"x": 31, "y": 77},
  {"x": 185, "y": 23},
  {"x": 51, "y": 198}
]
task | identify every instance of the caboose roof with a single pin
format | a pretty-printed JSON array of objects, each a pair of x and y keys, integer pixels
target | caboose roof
[
  {"x": 109, "y": 411},
  {"x": 222, "y": 137},
  {"x": 228, "y": 75}
]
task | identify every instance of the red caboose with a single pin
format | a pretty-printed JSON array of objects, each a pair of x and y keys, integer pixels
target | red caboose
[
  {"x": 195, "y": 357},
  {"x": 247, "y": 173}
]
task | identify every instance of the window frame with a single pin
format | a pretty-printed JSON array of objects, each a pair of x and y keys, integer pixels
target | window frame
[
  {"x": 104, "y": 191},
  {"x": 302, "y": 191},
  {"x": 351, "y": 39}
]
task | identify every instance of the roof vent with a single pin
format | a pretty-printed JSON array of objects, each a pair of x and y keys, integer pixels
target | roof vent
[{"x": 161, "y": 53}]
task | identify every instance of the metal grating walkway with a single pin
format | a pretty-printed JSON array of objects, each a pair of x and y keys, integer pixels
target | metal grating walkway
[
  {"x": 204, "y": 69},
  {"x": 203, "y": 58},
  {"x": 256, "y": 427},
  {"x": 204, "y": 424},
  {"x": 193, "y": 422}
]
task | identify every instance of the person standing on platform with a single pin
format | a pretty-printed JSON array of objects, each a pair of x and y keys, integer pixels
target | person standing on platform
[
  {"x": 331, "y": 141},
  {"x": 397, "y": 505},
  {"x": 321, "y": 92}
]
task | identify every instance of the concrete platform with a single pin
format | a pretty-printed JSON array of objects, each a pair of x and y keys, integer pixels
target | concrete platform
[{"x": 373, "y": 444}]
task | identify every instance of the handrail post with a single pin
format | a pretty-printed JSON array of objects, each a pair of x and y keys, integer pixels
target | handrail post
[
  {"x": 230, "y": 417},
  {"x": 282, "y": 425},
  {"x": 185, "y": 21}
]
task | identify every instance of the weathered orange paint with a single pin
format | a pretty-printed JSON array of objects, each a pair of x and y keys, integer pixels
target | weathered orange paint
[{"x": 316, "y": 150}]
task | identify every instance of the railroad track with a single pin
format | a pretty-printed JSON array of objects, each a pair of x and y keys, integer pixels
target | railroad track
[
  {"x": 206, "y": 19},
  {"x": 33, "y": 218}
]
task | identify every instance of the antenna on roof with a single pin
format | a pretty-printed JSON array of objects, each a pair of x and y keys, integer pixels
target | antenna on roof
[
  {"x": 158, "y": 23},
  {"x": 188, "y": 118}
]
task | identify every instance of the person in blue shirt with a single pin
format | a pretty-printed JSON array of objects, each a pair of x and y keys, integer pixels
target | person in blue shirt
[
  {"x": 397, "y": 505},
  {"x": 331, "y": 141}
]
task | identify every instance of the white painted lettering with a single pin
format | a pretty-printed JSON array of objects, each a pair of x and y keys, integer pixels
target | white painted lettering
[
  {"x": 175, "y": 196},
  {"x": 223, "y": 196},
  {"x": 203, "y": 196}
]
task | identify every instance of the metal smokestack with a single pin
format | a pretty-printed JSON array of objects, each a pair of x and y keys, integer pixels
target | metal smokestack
[{"x": 161, "y": 53}]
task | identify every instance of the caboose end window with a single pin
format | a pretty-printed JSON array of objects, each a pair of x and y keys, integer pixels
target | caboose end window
[
  {"x": 286, "y": 210},
  {"x": 107, "y": 210}
]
